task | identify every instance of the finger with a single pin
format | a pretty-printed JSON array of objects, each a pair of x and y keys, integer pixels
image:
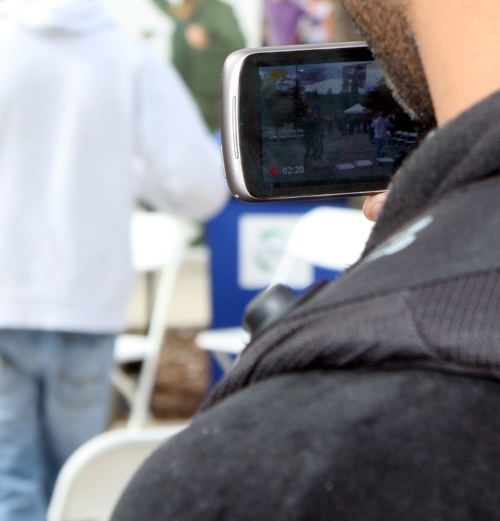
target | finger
[{"x": 373, "y": 205}]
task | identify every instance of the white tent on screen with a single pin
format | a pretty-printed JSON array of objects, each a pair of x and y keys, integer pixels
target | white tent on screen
[{"x": 357, "y": 109}]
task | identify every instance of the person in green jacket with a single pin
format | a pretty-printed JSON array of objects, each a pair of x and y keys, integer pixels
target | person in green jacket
[{"x": 206, "y": 31}]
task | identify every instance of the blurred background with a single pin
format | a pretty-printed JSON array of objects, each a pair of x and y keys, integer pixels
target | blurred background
[
  {"x": 110, "y": 161},
  {"x": 211, "y": 290},
  {"x": 144, "y": 19}
]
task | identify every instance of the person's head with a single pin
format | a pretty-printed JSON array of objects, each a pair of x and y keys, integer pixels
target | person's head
[
  {"x": 186, "y": 9},
  {"x": 387, "y": 28}
]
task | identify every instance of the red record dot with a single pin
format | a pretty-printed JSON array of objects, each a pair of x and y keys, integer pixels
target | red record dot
[{"x": 275, "y": 171}]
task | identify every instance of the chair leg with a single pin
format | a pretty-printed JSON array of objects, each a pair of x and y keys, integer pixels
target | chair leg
[{"x": 124, "y": 384}]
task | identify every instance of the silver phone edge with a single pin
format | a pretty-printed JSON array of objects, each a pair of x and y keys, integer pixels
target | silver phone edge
[{"x": 230, "y": 121}]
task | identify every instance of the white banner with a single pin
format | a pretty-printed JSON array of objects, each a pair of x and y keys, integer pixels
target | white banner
[{"x": 262, "y": 240}]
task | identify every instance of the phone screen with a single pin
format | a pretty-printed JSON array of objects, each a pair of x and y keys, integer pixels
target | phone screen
[{"x": 319, "y": 123}]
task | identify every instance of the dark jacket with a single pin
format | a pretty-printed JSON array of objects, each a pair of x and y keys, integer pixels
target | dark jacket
[
  {"x": 201, "y": 69},
  {"x": 377, "y": 399}
]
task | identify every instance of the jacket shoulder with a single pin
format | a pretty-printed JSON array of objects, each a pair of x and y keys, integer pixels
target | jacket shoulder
[{"x": 330, "y": 445}]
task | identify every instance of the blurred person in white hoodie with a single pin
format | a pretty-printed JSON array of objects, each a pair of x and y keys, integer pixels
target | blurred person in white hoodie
[{"x": 79, "y": 102}]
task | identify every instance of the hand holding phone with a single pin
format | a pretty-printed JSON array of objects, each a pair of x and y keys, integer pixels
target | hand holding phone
[
  {"x": 373, "y": 205},
  {"x": 309, "y": 121}
]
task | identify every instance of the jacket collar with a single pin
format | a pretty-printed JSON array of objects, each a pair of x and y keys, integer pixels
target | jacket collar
[{"x": 465, "y": 150}]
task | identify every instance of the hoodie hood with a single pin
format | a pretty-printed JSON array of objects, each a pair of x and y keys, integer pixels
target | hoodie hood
[{"x": 73, "y": 16}]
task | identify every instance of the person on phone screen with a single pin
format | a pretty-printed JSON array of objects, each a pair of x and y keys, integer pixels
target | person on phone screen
[
  {"x": 205, "y": 32},
  {"x": 377, "y": 398},
  {"x": 81, "y": 104},
  {"x": 381, "y": 125}
]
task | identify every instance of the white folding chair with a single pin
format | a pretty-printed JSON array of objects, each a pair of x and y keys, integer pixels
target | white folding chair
[
  {"x": 346, "y": 162},
  {"x": 410, "y": 141},
  {"x": 396, "y": 138},
  {"x": 387, "y": 159},
  {"x": 400, "y": 140},
  {"x": 95, "y": 476},
  {"x": 364, "y": 162},
  {"x": 224, "y": 344},
  {"x": 327, "y": 237},
  {"x": 158, "y": 245}
]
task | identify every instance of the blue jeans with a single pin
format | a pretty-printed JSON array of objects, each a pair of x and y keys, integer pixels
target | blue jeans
[
  {"x": 379, "y": 145},
  {"x": 54, "y": 395}
]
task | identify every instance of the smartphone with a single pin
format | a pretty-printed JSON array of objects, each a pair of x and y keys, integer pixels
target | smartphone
[{"x": 309, "y": 121}]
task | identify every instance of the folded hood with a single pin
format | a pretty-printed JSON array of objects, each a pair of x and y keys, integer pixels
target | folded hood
[{"x": 74, "y": 16}]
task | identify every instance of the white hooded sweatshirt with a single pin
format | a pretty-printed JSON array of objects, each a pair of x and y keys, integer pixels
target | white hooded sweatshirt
[{"x": 79, "y": 102}]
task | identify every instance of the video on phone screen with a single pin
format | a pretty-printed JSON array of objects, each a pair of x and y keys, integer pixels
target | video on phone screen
[{"x": 330, "y": 123}]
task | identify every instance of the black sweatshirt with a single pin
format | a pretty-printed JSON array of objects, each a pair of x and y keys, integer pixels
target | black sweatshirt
[{"x": 377, "y": 399}]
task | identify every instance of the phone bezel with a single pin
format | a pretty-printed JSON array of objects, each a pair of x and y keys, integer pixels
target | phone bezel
[{"x": 241, "y": 140}]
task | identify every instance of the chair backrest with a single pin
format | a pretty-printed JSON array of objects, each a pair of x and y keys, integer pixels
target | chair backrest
[
  {"x": 401, "y": 138},
  {"x": 156, "y": 239},
  {"x": 396, "y": 137},
  {"x": 326, "y": 237},
  {"x": 345, "y": 161},
  {"x": 158, "y": 244},
  {"x": 94, "y": 477},
  {"x": 390, "y": 152}
]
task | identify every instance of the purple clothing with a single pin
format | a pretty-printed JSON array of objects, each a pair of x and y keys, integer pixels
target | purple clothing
[{"x": 282, "y": 18}]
